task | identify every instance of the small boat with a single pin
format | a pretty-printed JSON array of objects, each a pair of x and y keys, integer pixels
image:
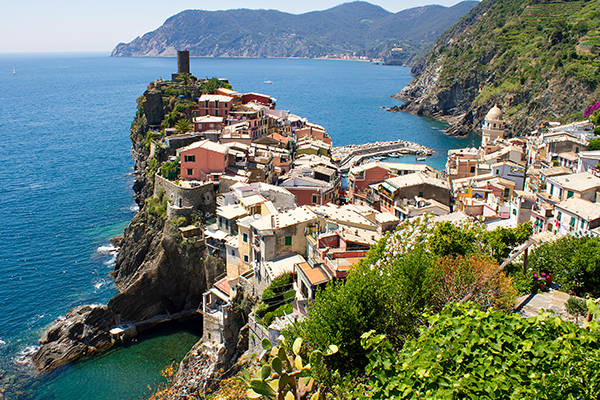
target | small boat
[
  {"x": 14, "y": 71},
  {"x": 421, "y": 158},
  {"x": 269, "y": 82},
  {"x": 395, "y": 155}
]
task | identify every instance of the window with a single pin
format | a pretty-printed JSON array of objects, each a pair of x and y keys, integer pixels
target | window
[
  {"x": 497, "y": 172},
  {"x": 216, "y": 113},
  {"x": 560, "y": 194},
  {"x": 314, "y": 199},
  {"x": 245, "y": 237},
  {"x": 189, "y": 158},
  {"x": 288, "y": 240},
  {"x": 232, "y": 252},
  {"x": 559, "y": 216},
  {"x": 582, "y": 224},
  {"x": 420, "y": 194},
  {"x": 569, "y": 194},
  {"x": 245, "y": 258},
  {"x": 190, "y": 171},
  {"x": 572, "y": 223},
  {"x": 472, "y": 170}
]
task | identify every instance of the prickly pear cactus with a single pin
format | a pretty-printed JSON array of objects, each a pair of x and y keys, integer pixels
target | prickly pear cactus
[{"x": 286, "y": 376}]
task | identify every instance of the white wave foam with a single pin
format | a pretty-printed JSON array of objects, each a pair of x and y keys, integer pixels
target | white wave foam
[
  {"x": 106, "y": 249},
  {"x": 112, "y": 259},
  {"x": 2, "y": 343},
  {"x": 24, "y": 356},
  {"x": 134, "y": 208}
]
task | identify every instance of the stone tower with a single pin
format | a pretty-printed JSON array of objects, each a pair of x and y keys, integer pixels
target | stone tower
[
  {"x": 183, "y": 61},
  {"x": 493, "y": 126}
]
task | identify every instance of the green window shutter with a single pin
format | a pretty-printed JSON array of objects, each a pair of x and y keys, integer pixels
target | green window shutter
[{"x": 288, "y": 240}]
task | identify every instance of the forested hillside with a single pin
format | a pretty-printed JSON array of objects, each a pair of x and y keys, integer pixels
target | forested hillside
[{"x": 538, "y": 60}]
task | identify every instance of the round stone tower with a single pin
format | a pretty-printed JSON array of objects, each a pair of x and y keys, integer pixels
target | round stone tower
[
  {"x": 183, "y": 61},
  {"x": 493, "y": 126}
]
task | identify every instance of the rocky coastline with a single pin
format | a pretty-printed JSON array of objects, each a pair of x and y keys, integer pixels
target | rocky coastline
[{"x": 159, "y": 275}]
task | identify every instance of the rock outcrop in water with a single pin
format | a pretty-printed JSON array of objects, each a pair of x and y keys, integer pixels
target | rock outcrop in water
[{"x": 159, "y": 275}]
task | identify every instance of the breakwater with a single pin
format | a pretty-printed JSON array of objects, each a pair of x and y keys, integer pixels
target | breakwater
[{"x": 351, "y": 155}]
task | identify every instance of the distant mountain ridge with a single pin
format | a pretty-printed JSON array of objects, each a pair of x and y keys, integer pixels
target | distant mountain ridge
[{"x": 355, "y": 29}]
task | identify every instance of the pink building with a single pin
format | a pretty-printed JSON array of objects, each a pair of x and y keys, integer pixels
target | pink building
[
  {"x": 260, "y": 99},
  {"x": 311, "y": 191},
  {"x": 362, "y": 176},
  {"x": 207, "y": 122},
  {"x": 215, "y": 104},
  {"x": 313, "y": 131},
  {"x": 203, "y": 161}
]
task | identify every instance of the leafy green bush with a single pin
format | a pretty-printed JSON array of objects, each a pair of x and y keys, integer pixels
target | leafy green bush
[
  {"x": 468, "y": 353},
  {"x": 157, "y": 205},
  {"x": 170, "y": 169},
  {"x": 575, "y": 261}
]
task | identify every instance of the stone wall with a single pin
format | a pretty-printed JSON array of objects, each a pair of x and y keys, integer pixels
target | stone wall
[
  {"x": 256, "y": 333},
  {"x": 201, "y": 197}
]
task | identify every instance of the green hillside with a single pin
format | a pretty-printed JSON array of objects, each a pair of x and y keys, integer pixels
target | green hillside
[
  {"x": 354, "y": 29},
  {"x": 536, "y": 59}
]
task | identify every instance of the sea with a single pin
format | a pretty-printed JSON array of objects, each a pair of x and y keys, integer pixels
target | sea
[{"x": 65, "y": 189}]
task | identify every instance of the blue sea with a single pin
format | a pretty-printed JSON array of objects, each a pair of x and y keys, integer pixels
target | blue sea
[{"x": 65, "y": 189}]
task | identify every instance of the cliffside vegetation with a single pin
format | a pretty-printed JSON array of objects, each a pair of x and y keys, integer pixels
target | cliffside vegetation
[
  {"x": 537, "y": 59},
  {"x": 355, "y": 29},
  {"x": 403, "y": 332}
]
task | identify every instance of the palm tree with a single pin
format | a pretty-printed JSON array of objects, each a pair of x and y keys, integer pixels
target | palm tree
[
  {"x": 183, "y": 126},
  {"x": 186, "y": 78}
]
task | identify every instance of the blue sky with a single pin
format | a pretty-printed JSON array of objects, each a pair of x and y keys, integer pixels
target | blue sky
[{"x": 84, "y": 25}]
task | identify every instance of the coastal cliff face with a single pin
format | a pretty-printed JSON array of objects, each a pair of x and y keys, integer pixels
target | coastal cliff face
[
  {"x": 158, "y": 273},
  {"x": 500, "y": 53}
]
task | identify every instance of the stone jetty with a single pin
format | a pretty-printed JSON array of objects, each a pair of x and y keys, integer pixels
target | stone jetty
[{"x": 350, "y": 155}]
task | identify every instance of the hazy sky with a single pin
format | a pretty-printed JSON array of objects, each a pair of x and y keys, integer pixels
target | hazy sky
[{"x": 83, "y": 25}]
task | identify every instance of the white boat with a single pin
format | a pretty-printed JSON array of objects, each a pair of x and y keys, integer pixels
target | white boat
[
  {"x": 14, "y": 71},
  {"x": 421, "y": 158},
  {"x": 269, "y": 82}
]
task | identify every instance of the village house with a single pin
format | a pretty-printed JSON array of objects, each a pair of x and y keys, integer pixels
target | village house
[
  {"x": 583, "y": 185},
  {"x": 313, "y": 131},
  {"x": 577, "y": 216},
  {"x": 542, "y": 215},
  {"x": 215, "y": 105},
  {"x": 462, "y": 163},
  {"x": 410, "y": 208},
  {"x": 392, "y": 191},
  {"x": 362, "y": 176},
  {"x": 262, "y": 99},
  {"x": 253, "y": 115},
  {"x": 588, "y": 161},
  {"x": 309, "y": 190},
  {"x": 203, "y": 161},
  {"x": 208, "y": 122},
  {"x": 278, "y": 234}
]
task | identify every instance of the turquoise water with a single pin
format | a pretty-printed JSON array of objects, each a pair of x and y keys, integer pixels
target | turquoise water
[{"x": 65, "y": 186}]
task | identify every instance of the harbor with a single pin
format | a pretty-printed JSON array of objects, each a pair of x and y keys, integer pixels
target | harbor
[{"x": 351, "y": 155}]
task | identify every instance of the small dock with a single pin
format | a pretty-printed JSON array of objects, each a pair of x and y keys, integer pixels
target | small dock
[{"x": 352, "y": 155}]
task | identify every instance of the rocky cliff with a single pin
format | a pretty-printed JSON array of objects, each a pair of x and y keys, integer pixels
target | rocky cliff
[
  {"x": 531, "y": 58},
  {"x": 159, "y": 274}
]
